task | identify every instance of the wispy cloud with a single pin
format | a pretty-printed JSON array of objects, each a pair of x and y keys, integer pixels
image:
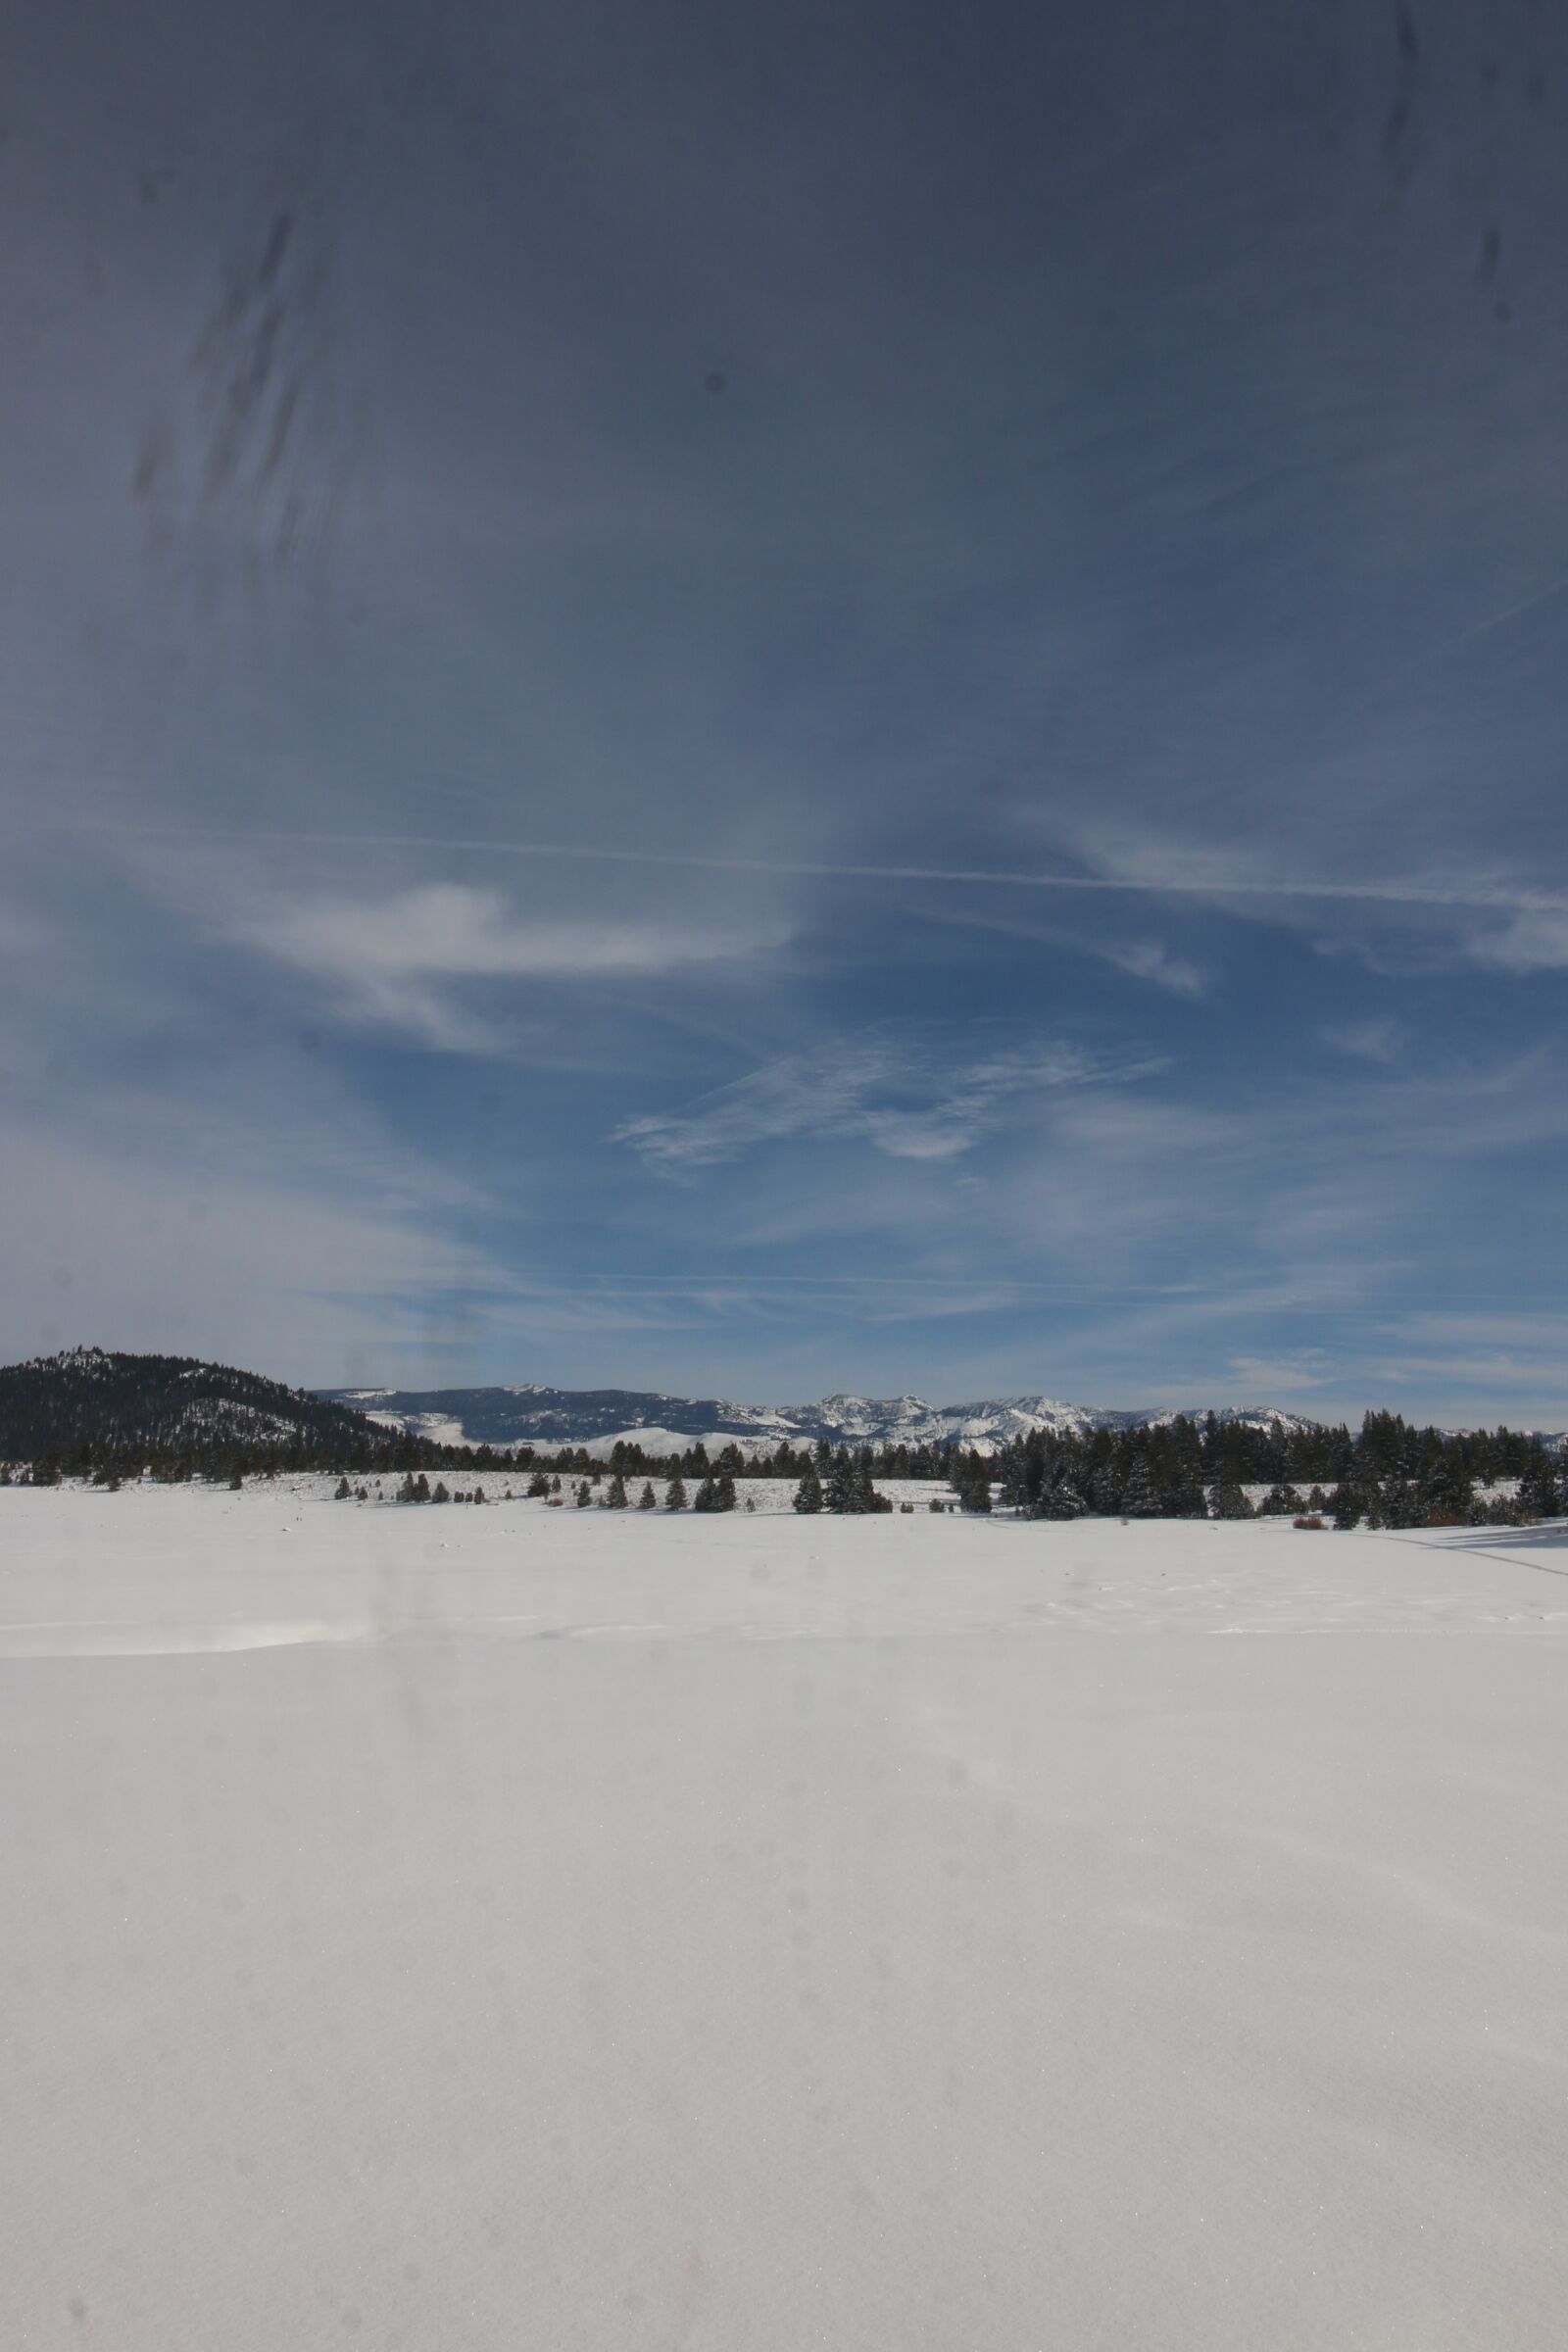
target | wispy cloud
[
  {"x": 1144, "y": 958},
  {"x": 1380, "y": 1039},
  {"x": 1151, "y": 959},
  {"x": 396, "y": 960},
  {"x": 869, "y": 1087},
  {"x": 1536, "y": 941}
]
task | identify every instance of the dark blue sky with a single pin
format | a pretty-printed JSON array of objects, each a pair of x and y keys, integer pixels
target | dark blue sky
[{"x": 874, "y": 700}]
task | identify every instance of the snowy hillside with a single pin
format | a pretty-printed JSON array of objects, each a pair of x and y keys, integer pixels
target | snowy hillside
[{"x": 530, "y": 1414}]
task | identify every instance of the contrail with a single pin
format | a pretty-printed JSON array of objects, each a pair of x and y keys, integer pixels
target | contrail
[
  {"x": 1527, "y": 604},
  {"x": 1390, "y": 894}
]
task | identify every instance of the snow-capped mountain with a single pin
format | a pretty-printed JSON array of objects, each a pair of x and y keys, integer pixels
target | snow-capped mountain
[{"x": 530, "y": 1414}]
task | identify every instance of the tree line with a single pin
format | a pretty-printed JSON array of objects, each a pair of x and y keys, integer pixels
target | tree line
[{"x": 108, "y": 1418}]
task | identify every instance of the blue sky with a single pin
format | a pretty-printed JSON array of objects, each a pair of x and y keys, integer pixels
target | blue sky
[{"x": 870, "y": 701}]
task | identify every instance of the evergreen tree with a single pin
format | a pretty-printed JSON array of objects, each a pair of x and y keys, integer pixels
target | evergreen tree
[
  {"x": 340, "y": 1492},
  {"x": 724, "y": 1490},
  {"x": 675, "y": 1494},
  {"x": 1061, "y": 1499},
  {"x": 706, "y": 1497},
  {"x": 868, "y": 1499},
  {"x": 841, "y": 1490},
  {"x": 616, "y": 1493},
  {"x": 1139, "y": 1499},
  {"x": 1400, "y": 1507},
  {"x": 538, "y": 1486},
  {"x": 809, "y": 1493},
  {"x": 1344, "y": 1503},
  {"x": 1227, "y": 1500},
  {"x": 1185, "y": 1498},
  {"x": 1444, "y": 1490},
  {"x": 1537, "y": 1489},
  {"x": 647, "y": 1500},
  {"x": 585, "y": 1494},
  {"x": 974, "y": 1491}
]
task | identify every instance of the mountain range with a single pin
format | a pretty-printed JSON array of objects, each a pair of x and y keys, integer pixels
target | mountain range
[{"x": 595, "y": 1418}]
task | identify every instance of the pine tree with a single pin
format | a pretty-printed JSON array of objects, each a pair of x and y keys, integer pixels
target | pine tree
[
  {"x": 1185, "y": 1500},
  {"x": 1139, "y": 1497},
  {"x": 868, "y": 1499},
  {"x": 1445, "y": 1489},
  {"x": 841, "y": 1490},
  {"x": 1227, "y": 1501},
  {"x": 647, "y": 1500},
  {"x": 1400, "y": 1505},
  {"x": 1538, "y": 1488},
  {"x": 1344, "y": 1503},
  {"x": 616, "y": 1493},
  {"x": 585, "y": 1494},
  {"x": 725, "y": 1491},
  {"x": 974, "y": 1494},
  {"x": 1061, "y": 1499},
  {"x": 538, "y": 1486},
  {"x": 706, "y": 1497},
  {"x": 809, "y": 1493},
  {"x": 675, "y": 1494},
  {"x": 340, "y": 1492}
]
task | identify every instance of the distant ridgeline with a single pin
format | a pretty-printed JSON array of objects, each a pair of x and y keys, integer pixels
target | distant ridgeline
[{"x": 88, "y": 1413}]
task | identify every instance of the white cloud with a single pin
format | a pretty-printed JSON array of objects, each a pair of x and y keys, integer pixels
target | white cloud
[
  {"x": 399, "y": 960},
  {"x": 460, "y": 932}
]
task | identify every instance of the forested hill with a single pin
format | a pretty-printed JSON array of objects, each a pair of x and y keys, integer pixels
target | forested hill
[{"x": 90, "y": 1404}]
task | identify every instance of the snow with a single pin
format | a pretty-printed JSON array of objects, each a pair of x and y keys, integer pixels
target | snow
[
  {"x": 514, "y": 1927},
  {"x": 661, "y": 1443}
]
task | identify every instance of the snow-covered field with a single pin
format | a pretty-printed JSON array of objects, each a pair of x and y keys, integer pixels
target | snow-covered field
[{"x": 519, "y": 1928}]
